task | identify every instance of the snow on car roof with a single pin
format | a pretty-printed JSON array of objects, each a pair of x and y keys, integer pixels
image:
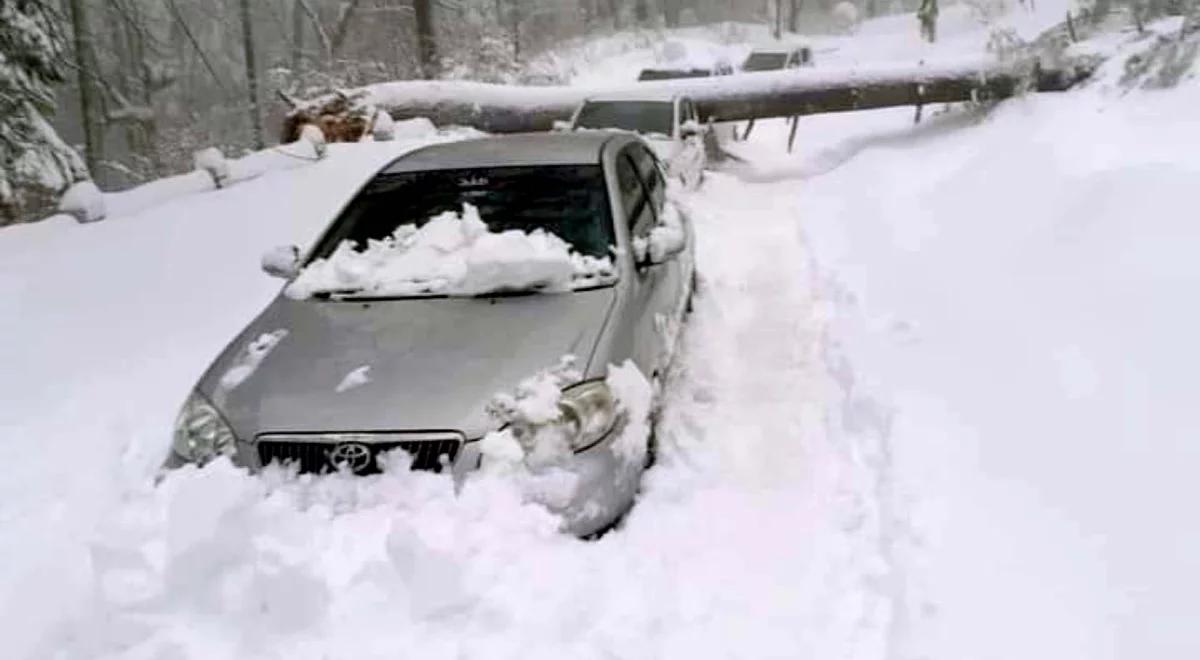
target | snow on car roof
[{"x": 505, "y": 150}]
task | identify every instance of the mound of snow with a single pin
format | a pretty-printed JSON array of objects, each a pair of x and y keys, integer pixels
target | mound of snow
[
  {"x": 84, "y": 202},
  {"x": 452, "y": 254}
]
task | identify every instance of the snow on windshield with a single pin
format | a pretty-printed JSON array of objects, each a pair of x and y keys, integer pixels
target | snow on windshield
[{"x": 452, "y": 254}]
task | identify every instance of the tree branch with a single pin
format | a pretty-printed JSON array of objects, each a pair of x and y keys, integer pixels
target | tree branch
[
  {"x": 321, "y": 33},
  {"x": 178, "y": 16}
]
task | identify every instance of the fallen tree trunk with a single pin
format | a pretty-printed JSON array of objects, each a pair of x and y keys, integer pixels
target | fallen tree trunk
[{"x": 510, "y": 109}]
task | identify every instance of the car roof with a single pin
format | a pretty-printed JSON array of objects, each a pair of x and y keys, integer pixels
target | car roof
[
  {"x": 521, "y": 149},
  {"x": 635, "y": 95}
]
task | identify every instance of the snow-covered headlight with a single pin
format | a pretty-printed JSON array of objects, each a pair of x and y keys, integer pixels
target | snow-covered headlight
[
  {"x": 201, "y": 434},
  {"x": 588, "y": 413}
]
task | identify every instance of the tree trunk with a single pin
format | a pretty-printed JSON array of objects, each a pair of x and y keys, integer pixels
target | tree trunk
[
  {"x": 794, "y": 16},
  {"x": 251, "y": 75},
  {"x": 426, "y": 43},
  {"x": 297, "y": 36},
  {"x": 671, "y": 11},
  {"x": 507, "y": 109},
  {"x": 89, "y": 102}
]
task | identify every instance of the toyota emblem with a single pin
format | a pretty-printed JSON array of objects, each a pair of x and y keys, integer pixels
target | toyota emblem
[{"x": 354, "y": 456}]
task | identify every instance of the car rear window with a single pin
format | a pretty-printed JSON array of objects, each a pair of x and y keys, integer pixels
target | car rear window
[
  {"x": 570, "y": 201},
  {"x": 765, "y": 61},
  {"x": 646, "y": 117}
]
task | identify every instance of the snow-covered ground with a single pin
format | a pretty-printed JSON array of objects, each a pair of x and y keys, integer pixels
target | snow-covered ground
[{"x": 934, "y": 402}]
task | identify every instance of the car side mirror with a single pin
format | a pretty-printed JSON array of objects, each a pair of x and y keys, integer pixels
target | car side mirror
[
  {"x": 665, "y": 242},
  {"x": 690, "y": 128},
  {"x": 560, "y": 126},
  {"x": 282, "y": 261}
]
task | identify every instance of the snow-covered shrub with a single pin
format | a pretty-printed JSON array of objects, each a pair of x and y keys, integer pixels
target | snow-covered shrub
[
  {"x": 84, "y": 202},
  {"x": 1164, "y": 63},
  {"x": 212, "y": 162}
]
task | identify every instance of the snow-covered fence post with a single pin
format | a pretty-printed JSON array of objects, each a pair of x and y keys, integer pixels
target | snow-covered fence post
[
  {"x": 84, "y": 202},
  {"x": 312, "y": 135},
  {"x": 383, "y": 127},
  {"x": 212, "y": 162}
]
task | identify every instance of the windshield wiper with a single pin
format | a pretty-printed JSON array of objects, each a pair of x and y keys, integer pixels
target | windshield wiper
[{"x": 338, "y": 296}]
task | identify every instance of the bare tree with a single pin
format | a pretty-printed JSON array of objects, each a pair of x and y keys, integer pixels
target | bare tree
[
  {"x": 426, "y": 41},
  {"x": 794, "y": 15},
  {"x": 89, "y": 106}
]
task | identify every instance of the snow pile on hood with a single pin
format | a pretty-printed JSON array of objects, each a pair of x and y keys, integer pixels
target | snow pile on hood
[{"x": 452, "y": 254}]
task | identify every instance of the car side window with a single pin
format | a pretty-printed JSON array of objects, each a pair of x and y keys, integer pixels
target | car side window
[
  {"x": 651, "y": 173},
  {"x": 634, "y": 198},
  {"x": 687, "y": 111}
]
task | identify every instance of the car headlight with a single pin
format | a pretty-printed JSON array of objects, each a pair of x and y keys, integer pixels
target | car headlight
[
  {"x": 201, "y": 434},
  {"x": 589, "y": 412}
]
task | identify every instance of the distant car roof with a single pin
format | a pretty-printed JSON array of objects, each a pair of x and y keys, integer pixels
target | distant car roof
[
  {"x": 635, "y": 95},
  {"x": 582, "y": 148},
  {"x": 778, "y": 49}
]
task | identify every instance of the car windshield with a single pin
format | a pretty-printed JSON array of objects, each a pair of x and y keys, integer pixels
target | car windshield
[
  {"x": 645, "y": 117},
  {"x": 569, "y": 201},
  {"x": 765, "y": 61}
]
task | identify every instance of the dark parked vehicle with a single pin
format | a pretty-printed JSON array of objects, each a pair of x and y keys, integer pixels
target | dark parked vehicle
[{"x": 776, "y": 59}]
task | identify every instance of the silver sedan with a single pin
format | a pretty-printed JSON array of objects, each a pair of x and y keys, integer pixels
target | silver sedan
[{"x": 436, "y": 359}]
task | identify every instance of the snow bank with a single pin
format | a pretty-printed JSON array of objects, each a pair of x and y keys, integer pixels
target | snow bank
[
  {"x": 452, "y": 254},
  {"x": 1008, "y": 314}
]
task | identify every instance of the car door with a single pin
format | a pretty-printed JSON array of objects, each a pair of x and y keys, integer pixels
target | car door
[
  {"x": 666, "y": 284},
  {"x": 636, "y": 331}
]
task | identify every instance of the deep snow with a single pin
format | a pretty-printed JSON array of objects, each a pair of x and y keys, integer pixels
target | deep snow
[{"x": 934, "y": 401}]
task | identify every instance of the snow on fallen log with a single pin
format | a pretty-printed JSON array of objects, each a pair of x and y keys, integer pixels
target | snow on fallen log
[{"x": 509, "y": 109}]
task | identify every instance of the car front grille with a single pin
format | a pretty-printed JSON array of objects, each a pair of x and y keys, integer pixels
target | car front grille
[{"x": 359, "y": 453}]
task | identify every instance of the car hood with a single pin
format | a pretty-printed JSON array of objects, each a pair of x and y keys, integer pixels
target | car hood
[{"x": 431, "y": 364}]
